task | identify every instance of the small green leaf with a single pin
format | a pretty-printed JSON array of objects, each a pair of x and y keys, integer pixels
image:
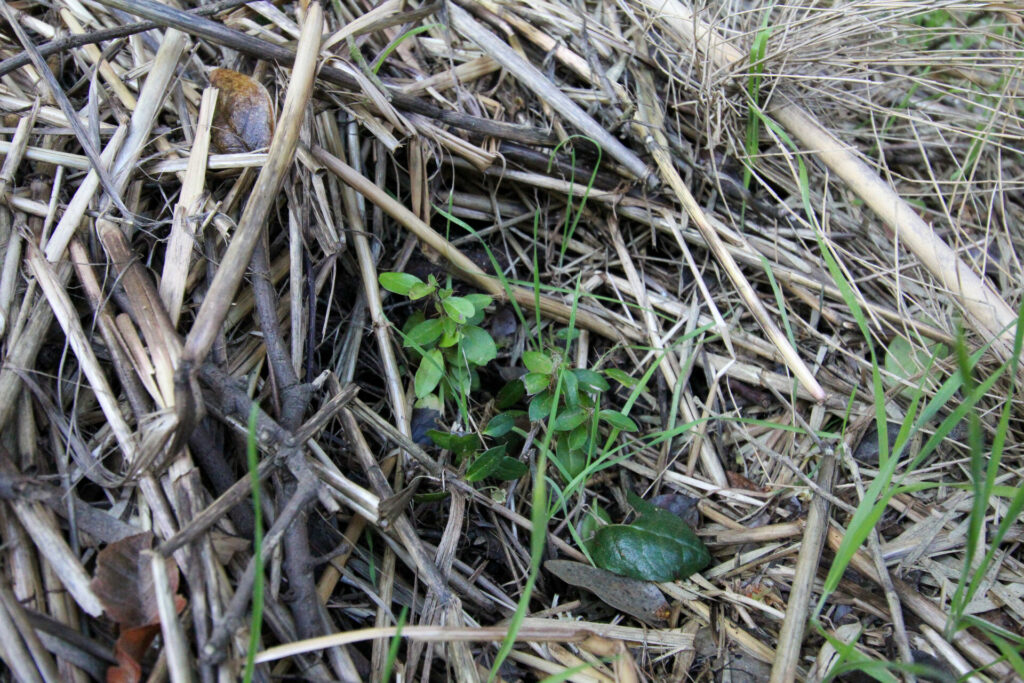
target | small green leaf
[
  {"x": 495, "y": 464},
  {"x": 622, "y": 377},
  {"x": 460, "y": 378},
  {"x": 538, "y": 362},
  {"x": 500, "y": 425},
  {"x": 534, "y": 382},
  {"x": 590, "y": 381},
  {"x": 540, "y": 406},
  {"x": 618, "y": 420},
  {"x": 429, "y": 373},
  {"x": 460, "y": 445},
  {"x": 572, "y": 462},
  {"x": 458, "y": 309},
  {"x": 594, "y": 518},
  {"x": 424, "y": 333},
  {"x": 658, "y": 546},
  {"x": 509, "y": 395},
  {"x": 450, "y": 333},
  {"x": 578, "y": 437},
  {"x": 571, "y": 388},
  {"x": 478, "y": 346},
  {"x": 480, "y": 302},
  {"x": 399, "y": 283},
  {"x": 420, "y": 290},
  {"x": 569, "y": 419}
]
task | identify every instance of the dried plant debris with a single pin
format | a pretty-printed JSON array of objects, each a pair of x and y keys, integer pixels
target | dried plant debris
[{"x": 638, "y": 340}]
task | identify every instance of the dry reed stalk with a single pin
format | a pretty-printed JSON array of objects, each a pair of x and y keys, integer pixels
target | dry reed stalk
[
  {"x": 282, "y": 151},
  {"x": 181, "y": 242}
]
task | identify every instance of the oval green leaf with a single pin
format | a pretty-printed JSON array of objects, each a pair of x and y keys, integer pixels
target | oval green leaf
[
  {"x": 590, "y": 380},
  {"x": 424, "y": 333},
  {"x": 429, "y": 373},
  {"x": 458, "y": 309},
  {"x": 535, "y": 381},
  {"x": 538, "y": 362},
  {"x": 569, "y": 419},
  {"x": 477, "y": 345},
  {"x": 399, "y": 283},
  {"x": 618, "y": 420},
  {"x": 540, "y": 406},
  {"x": 658, "y": 546}
]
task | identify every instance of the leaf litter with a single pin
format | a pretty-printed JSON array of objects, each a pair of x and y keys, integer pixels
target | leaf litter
[{"x": 736, "y": 253}]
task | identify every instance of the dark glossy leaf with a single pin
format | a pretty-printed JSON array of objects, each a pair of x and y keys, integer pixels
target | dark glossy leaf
[
  {"x": 571, "y": 461},
  {"x": 538, "y": 362},
  {"x": 639, "y": 599},
  {"x": 593, "y": 519},
  {"x": 618, "y": 420},
  {"x": 423, "y": 420},
  {"x": 399, "y": 283},
  {"x": 578, "y": 437},
  {"x": 570, "y": 388},
  {"x": 658, "y": 546},
  {"x": 478, "y": 346}
]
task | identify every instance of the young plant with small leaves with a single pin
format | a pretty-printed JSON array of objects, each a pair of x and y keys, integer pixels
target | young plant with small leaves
[
  {"x": 445, "y": 335},
  {"x": 578, "y": 415}
]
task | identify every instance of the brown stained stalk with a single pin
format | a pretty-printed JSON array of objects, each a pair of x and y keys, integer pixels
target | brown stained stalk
[
  {"x": 306, "y": 608},
  {"x": 215, "y": 649},
  {"x": 264, "y": 195}
]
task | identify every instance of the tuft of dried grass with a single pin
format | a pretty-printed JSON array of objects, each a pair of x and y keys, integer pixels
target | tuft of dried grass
[{"x": 782, "y": 221}]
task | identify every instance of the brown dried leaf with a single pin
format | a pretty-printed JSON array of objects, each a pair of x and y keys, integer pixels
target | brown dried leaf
[
  {"x": 738, "y": 481},
  {"x": 244, "y": 119},
  {"x": 124, "y": 582},
  {"x": 124, "y": 585},
  {"x": 640, "y": 599}
]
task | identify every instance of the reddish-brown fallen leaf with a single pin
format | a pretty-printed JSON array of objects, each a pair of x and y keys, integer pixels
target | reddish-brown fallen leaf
[
  {"x": 244, "y": 119},
  {"x": 738, "y": 481},
  {"x": 124, "y": 585}
]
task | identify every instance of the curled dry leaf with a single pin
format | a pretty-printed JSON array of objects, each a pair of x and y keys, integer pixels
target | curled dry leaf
[
  {"x": 124, "y": 584},
  {"x": 244, "y": 119},
  {"x": 639, "y": 599}
]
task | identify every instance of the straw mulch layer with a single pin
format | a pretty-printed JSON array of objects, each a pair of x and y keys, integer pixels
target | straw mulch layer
[{"x": 770, "y": 230}]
